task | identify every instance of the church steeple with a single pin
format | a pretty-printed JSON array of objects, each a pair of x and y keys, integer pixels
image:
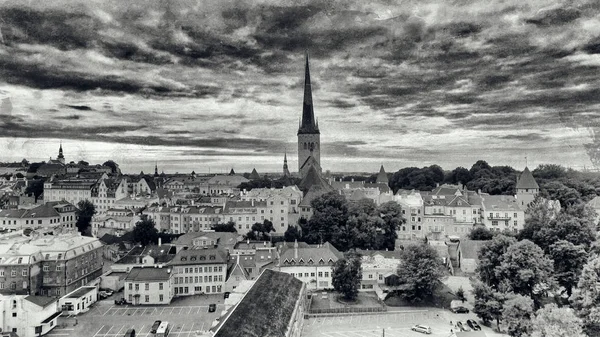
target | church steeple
[
  {"x": 156, "y": 169},
  {"x": 308, "y": 125},
  {"x": 286, "y": 171},
  {"x": 61, "y": 157}
]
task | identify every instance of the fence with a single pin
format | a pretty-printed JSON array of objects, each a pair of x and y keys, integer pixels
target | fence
[{"x": 347, "y": 310}]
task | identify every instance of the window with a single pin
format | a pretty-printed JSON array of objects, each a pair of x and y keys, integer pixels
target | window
[
  {"x": 312, "y": 274},
  {"x": 137, "y": 286},
  {"x": 515, "y": 223},
  {"x": 58, "y": 267},
  {"x": 515, "y": 215},
  {"x": 494, "y": 223},
  {"x": 160, "y": 287},
  {"x": 326, "y": 274},
  {"x": 13, "y": 273},
  {"x": 2, "y": 272},
  {"x": 130, "y": 298},
  {"x": 147, "y": 298},
  {"x": 160, "y": 297},
  {"x": 147, "y": 287},
  {"x": 320, "y": 274},
  {"x": 130, "y": 286},
  {"x": 14, "y": 314},
  {"x": 24, "y": 272}
]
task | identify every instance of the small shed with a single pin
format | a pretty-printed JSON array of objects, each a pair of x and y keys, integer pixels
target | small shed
[{"x": 79, "y": 300}]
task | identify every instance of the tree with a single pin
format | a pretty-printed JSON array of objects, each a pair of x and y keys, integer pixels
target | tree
[
  {"x": 524, "y": 267},
  {"x": 225, "y": 227},
  {"x": 330, "y": 215},
  {"x": 83, "y": 163},
  {"x": 568, "y": 263},
  {"x": 459, "y": 175},
  {"x": 292, "y": 234},
  {"x": 488, "y": 303},
  {"x": 586, "y": 297},
  {"x": 260, "y": 231},
  {"x": 145, "y": 231},
  {"x": 578, "y": 231},
  {"x": 114, "y": 167},
  {"x": 552, "y": 321},
  {"x": 460, "y": 293},
  {"x": 516, "y": 314},
  {"x": 490, "y": 256},
  {"x": 35, "y": 187},
  {"x": 346, "y": 276},
  {"x": 420, "y": 272},
  {"x": 391, "y": 213},
  {"x": 85, "y": 213},
  {"x": 481, "y": 233}
]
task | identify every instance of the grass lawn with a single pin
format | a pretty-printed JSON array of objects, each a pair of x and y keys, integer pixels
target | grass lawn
[
  {"x": 442, "y": 298},
  {"x": 335, "y": 300}
]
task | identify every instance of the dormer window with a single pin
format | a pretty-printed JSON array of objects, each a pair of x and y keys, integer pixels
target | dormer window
[
  {"x": 193, "y": 258},
  {"x": 183, "y": 258},
  {"x": 202, "y": 258},
  {"x": 330, "y": 261},
  {"x": 321, "y": 261},
  {"x": 310, "y": 261},
  {"x": 301, "y": 261},
  {"x": 212, "y": 257}
]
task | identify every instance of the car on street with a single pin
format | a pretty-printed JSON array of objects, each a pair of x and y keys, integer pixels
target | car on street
[
  {"x": 473, "y": 325},
  {"x": 155, "y": 326},
  {"x": 212, "y": 307},
  {"x": 120, "y": 301},
  {"x": 462, "y": 326},
  {"x": 460, "y": 310},
  {"x": 421, "y": 328}
]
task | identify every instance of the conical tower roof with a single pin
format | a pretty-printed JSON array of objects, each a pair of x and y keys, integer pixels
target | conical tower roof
[
  {"x": 382, "y": 177},
  {"x": 308, "y": 124},
  {"x": 232, "y": 172},
  {"x": 526, "y": 180},
  {"x": 314, "y": 180},
  {"x": 254, "y": 175}
]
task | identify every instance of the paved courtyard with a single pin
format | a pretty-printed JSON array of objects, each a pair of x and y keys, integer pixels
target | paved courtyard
[{"x": 186, "y": 316}]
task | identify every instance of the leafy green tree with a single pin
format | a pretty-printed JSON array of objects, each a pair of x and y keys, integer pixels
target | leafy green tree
[
  {"x": 83, "y": 163},
  {"x": 391, "y": 213},
  {"x": 363, "y": 231},
  {"x": 488, "y": 303},
  {"x": 260, "y": 231},
  {"x": 481, "y": 233},
  {"x": 569, "y": 260},
  {"x": 516, "y": 314},
  {"x": 85, "y": 213},
  {"x": 549, "y": 172},
  {"x": 145, "y": 231},
  {"x": 459, "y": 175},
  {"x": 420, "y": 271},
  {"x": 578, "y": 231},
  {"x": 556, "y": 190},
  {"x": 292, "y": 234},
  {"x": 491, "y": 256},
  {"x": 586, "y": 296},
  {"x": 552, "y": 321},
  {"x": 523, "y": 268},
  {"x": 346, "y": 276},
  {"x": 225, "y": 227}
]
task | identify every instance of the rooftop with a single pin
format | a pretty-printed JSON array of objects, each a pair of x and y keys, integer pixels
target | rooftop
[
  {"x": 266, "y": 309},
  {"x": 138, "y": 274},
  {"x": 41, "y": 301},
  {"x": 325, "y": 252},
  {"x": 199, "y": 256},
  {"x": 80, "y": 292},
  {"x": 526, "y": 180}
]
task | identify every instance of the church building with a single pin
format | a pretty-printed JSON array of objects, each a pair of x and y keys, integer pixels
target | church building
[{"x": 309, "y": 137}]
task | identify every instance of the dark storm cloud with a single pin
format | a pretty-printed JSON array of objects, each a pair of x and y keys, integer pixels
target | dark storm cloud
[
  {"x": 556, "y": 16},
  {"x": 78, "y": 107},
  {"x": 69, "y": 117},
  {"x": 525, "y": 137}
]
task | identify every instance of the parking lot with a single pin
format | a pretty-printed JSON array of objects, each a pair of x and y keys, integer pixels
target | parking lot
[
  {"x": 105, "y": 319},
  {"x": 395, "y": 324}
]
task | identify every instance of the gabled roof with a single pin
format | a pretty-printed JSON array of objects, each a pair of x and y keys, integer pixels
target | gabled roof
[
  {"x": 325, "y": 252},
  {"x": 313, "y": 178},
  {"x": 526, "y": 180},
  {"x": 199, "y": 256},
  {"x": 254, "y": 175}
]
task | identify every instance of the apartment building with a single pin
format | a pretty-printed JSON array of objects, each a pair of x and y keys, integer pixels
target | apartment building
[
  {"x": 115, "y": 222},
  {"x": 282, "y": 205},
  {"x": 502, "y": 213},
  {"x": 198, "y": 271},
  {"x": 184, "y": 219},
  {"x": 49, "y": 215},
  {"x": 20, "y": 268},
  {"x": 311, "y": 265},
  {"x": 149, "y": 285},
  {"x": 376, "y": 266},
  {"x": 72, "y": 190},
  {"x": 247, "y": 213},
  {"x": 107, "y": 191},
  {"x": 411, "y": 203}
]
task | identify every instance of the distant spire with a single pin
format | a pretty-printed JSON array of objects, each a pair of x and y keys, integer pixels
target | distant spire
[
  {"x": 60, "y": 151},
  {"x": 382, "y": 177},
  {"x": 156, "y": 169},
  {"x": 286, "y": 171},
  {"x": 307, "y": 124}
]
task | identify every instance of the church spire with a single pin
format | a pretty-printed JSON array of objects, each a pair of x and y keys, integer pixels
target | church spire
[
  {"x": 286, "y": 171},
  {"x": 308, "y": 124}
]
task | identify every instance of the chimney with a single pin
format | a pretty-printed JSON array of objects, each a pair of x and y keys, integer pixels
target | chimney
[
  {"x": 159, "y": 242},
  {"x": 479, "y": 191},
  {"x": 296, "y": 249},
  {"x": 252, "y": 202},
  {"x": 352, "y": 179},
  {"x": 238, "y": 259},
  {"x": 247, "y": 241}
]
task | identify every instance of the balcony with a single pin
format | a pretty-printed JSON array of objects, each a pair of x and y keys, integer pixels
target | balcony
[{"x": 499, "y": 218}]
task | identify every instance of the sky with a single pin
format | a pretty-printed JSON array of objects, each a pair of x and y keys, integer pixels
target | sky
[{"x": 218, "y": 84}]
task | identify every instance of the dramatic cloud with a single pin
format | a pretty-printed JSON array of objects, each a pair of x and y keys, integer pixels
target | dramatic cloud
[{"x": 394, "y": 81}]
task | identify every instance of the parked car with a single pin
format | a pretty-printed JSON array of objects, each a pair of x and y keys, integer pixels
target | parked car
[
  {"x": 155, "y": 326},
  {"x": 421, "y": 328},
  {"x": 120, "y": 301},
  {"x": 226, "y": 294},
  {"x": 212, "y": 307},
  {"x": 130, "y": 333},
  {"x": 473, "y": 325},
  {"x": 460, "y": 310},
  {"x": 462, "y": 326}
]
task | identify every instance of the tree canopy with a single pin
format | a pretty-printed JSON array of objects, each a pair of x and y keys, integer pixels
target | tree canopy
[
  {"x": 346, "y": 276},
  {"x": 260, "y": 231},
  {"x": 586, "y": 296},
  {"x": 114, "y": 167},
  {"x": 85, "y": 213},
  {"x": 552, "y": 321},
  {"x": 516, "y": 313},
  {"x": 225, "y": 227},
  {"x": 491, "y": 256},
  {"x": 481, "y": 233},
  {"x": 420, "y": 272},
  {"x": 145, "y": 231}
]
